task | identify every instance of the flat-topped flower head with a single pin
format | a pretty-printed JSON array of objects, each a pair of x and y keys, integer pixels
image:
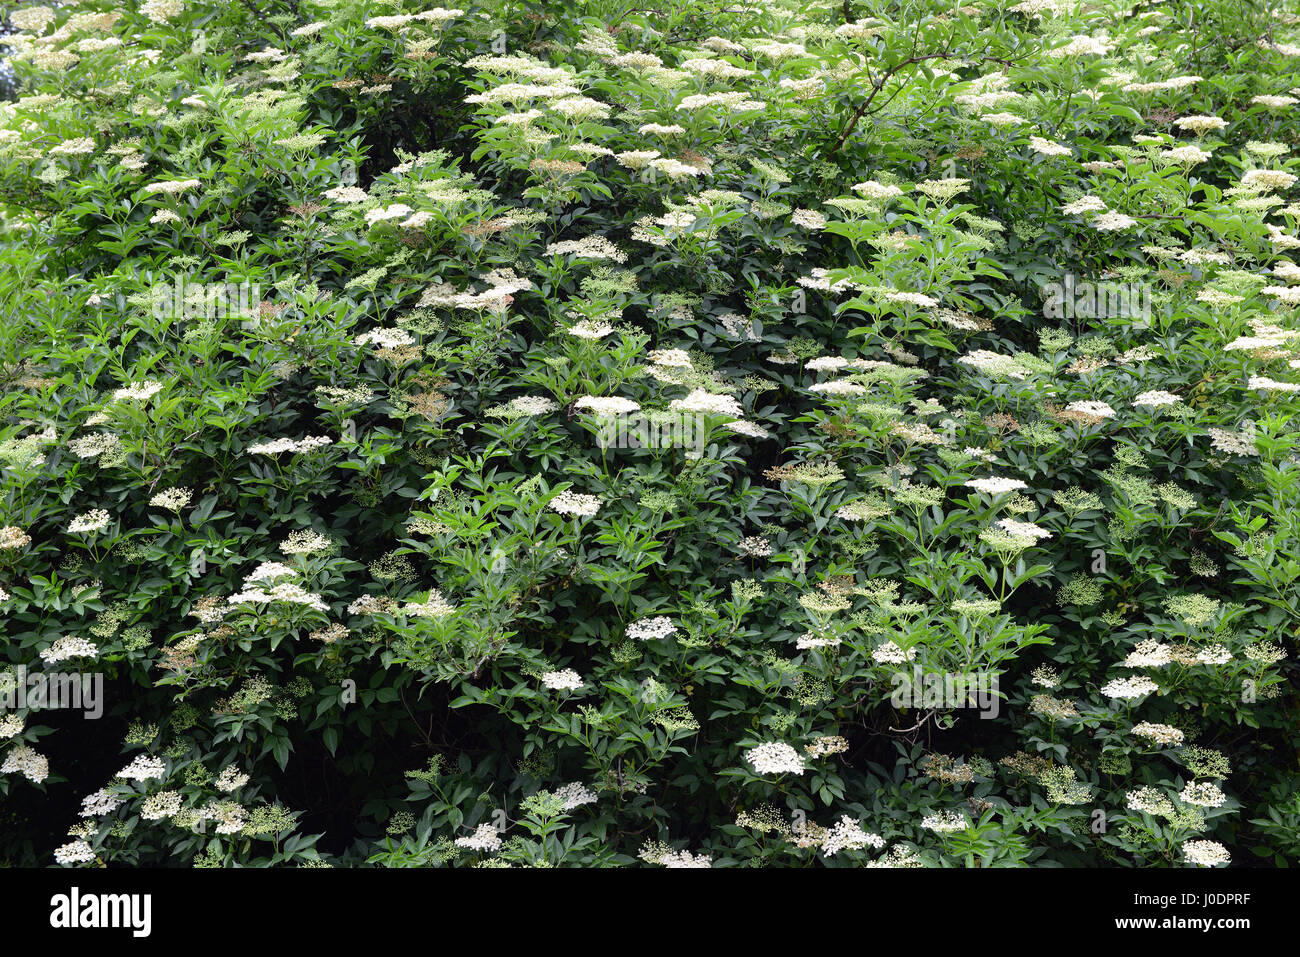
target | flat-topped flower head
[
  {"x": 945, "y": 822},
  {"x": 649, "y": 629},
  {"x": 13, "y": 537},
  {"x": 171, "y": 187},
  {"x": 565, "y": 680},
  {"x": 172, "y": 499},
  {"x": 1149, "y": 653},
  {"x": 1129, "y": 689},
  {"x": 848, "y": 835},
  {"x": 891, "y": 654},
  {"x": 1200, "y": 125},
  {"x": 1085, "y": 204},
  {"x": 484, "y": 838},
  {"x": 773, "y": 757},
  {"x": 96, "y": 520},
  {"x": 137, "y": 391},
  {"x": 606, "y": 406},
  {"x": 1112, "y": 222},
  {"x": 26, "y": 761},
  {"x": 1267, "y": 180},
  {"x": 1203, "y": 794},
  {"x": 590, "y": 329},
  {"x": 575, "y": 503},
  {"x": 278, "y": 446},
  {"x": 1161, "y": 734},
  {"x": 877, "y": 191},
  {"x": 943, "y": 190},
  {"x": 530, "y": 405},
  {"x": 1206, "y": 853},
  {"x": 1046, "y": 147},
  {"x": 1156, "y": 398},
  {"x": 74, "y": 852},
  {"x": 706, "y": 402},
  {"x": 144, "y": 767},
  {"x": 67, "y": 647},
  {"x": 1023, "y": 529},
  {"x": 1087, "y": 411},
  {"x": 994, "y": 485}
]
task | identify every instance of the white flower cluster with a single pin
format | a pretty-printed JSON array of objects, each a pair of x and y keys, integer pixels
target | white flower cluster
[
  {"x": 1096, "y": 409},
  {"x": 566, "y": 680},
  {"x": 385, "y": 338},
  {"x": 1081, "y": 45},
  {"x": 144, "y": 768},
  {"x": 1206, "y": 853},
  {"x": 170, "y": 187},
  {"x": 231, "y": 779},
  {"x": 287, "y": 592},
  {"x": 890, "y": 653},
  {"x": 686, "y": 859},
  {"x": 664, "y": 856},
  {"x": 173, "y": 499},
  {"x": 275, "y": 446},
  {"x": 670, "y": 358},
  {"x": 75, "y": 852},
  {"x": 993, "y": 364},
  {"x": 698, "y": 400},
  {"x": 347, "y": 194},
  {"x": 773, "y": 757},
  {"x": 650, "y": 629},
  {"x": 11, "y": 536},
  {"x": 1203, "y": 794},
  {"x": 847, "y": 835},
  {"x": 1149, "y": 653},
  {"x": 230, "y": 816},
  {"x": 484, "y": 838},
  {"x": 942, "y": 822},
  {"x": 434, "y": 606},
  {"x": 27, "y": 762},
  {"x": 382, "y": 214},
  {"x": 606, "y": 406},
  {"x": 1023, "y": 529},
  {"x": 532, "y": 405},
  {"x": 993, "y": 485},
  {"x": 1162, "y": 734},
  {"x": 574, "y": 795},
  {"x": 1156, "y": 398},
  {"x": 69, "y": 646},
  {"x": 575, "y": 503},
  {"x": 1045, "y": 147},
  {"x": 811, "y": 642},
  {"x": 1127, "y": 689},
  {"x": 838, "y": 387},
  {"x": 1271, "y": 385},
  {"x": 157, "y": 807},
  {"x": 590, "y": 247},
  {"x": 306, "y": 542},
  {"x": 590, "y": 330},
  {"x": 1112, "y": 222},
  {"x": 99, "y": 804},
  {"x": 877, "y": 191},
  {"x": 138, "y": 391}
]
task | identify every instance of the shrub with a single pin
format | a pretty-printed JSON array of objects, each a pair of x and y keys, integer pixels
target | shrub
[{"x": 853, "y": 434}]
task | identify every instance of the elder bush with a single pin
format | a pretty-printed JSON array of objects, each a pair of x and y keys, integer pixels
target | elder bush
[{"x": 853, "y": 434}]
